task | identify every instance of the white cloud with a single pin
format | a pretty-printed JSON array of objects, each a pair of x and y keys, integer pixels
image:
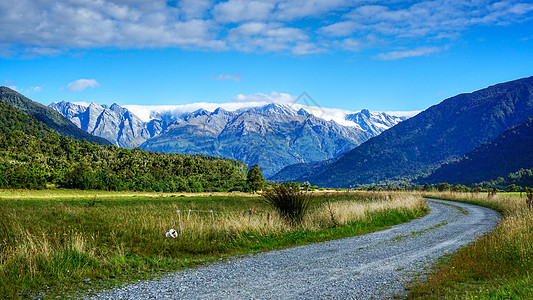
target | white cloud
[
  {"x": 241, "y": 101},
  {"x": 351, "y": 44},
  {"x": 35, "y": 89},
  {"x": 235, "y": 11},
  {"x": 269, "y": 37},
  {"x": 422, "y": 51},
  {"x": 82, "y": 103},
  {"x": 195, "y": 8},
  {"x": 297, "y": 27},
  {"x": 406, "y": 114},
  {"x": 273, "y": 97},
  {"x": 298, "y": 9},
  {"x": 234, "y": 77},
  {"x": 80, "y": 85}
]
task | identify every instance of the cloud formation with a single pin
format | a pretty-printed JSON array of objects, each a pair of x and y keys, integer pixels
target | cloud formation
[
  {"x": 240, "y": 102},
  {"x": 234, "y": 77},
  {"x": 422, "y": 51},
  {"x": 80, "y": 85},
  {"x": 35, "y": 88},
  {"x": 273, "y": 97},
  {"x": 295, "y": 27}
]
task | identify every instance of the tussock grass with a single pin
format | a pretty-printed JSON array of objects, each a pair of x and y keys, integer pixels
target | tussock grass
[
  {"x": 292, "y": 206},
  {"x": 71, "y": 193},
  {"x": 51, "y": 246},
  {"x": 499, "y": 265}
]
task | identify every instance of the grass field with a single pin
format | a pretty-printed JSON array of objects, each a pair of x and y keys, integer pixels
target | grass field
[
  {"x": 499, "y": 265},
  {"x": 70, "y": 194},
  {"x": 63, "y": 242}
]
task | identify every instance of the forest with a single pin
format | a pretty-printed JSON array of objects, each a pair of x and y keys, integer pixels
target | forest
[{"x": 34, "y": 156}]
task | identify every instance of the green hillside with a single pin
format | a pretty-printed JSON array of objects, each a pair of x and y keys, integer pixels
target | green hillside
[
  {"x": 33, "y": 156},
  {"x": 508, "y": 153},
  {"x": 48, "y": 116},
  {"x": 440, "y": 134}
]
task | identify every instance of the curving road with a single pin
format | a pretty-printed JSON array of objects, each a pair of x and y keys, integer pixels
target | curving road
[{"x": 375, "y": 265}]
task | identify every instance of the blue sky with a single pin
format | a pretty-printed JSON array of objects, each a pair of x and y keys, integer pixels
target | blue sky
[{"x": 380, "y": 55}]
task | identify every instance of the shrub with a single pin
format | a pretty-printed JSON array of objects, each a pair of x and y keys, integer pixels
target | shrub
[{"x": 291, "y": 205}]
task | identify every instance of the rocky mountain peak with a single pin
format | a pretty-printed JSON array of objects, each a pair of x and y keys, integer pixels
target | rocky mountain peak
[
  {"x": 303, "y": 112},
  {"x": 273, "y": 135},
  {"x": 374, "y": 122},
  {"x": 276, "y": 108}
]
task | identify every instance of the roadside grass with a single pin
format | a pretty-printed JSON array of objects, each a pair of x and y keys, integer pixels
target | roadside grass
[
  {"x": 54, "y": 193},
  {"x": 499, "y": 265},
  {"x": 61, "y": 246}
]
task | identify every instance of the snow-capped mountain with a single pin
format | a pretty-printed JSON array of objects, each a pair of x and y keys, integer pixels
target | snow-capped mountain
[
  {"x": 114, "y": 123},
  {"x": 272, "y": 135},
  {"x": 374, "y": 122}
]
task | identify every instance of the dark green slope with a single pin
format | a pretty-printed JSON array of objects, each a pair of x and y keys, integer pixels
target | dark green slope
[
  {"x": 48, "y": 116},
  {"x": 12, "y": 120},
  {"x": 508, "y": 153},
  {"x": 437, "y": 135},
  {"x": 301, "y": 170}
]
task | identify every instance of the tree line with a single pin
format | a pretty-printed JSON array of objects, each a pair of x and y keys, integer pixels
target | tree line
[{"x": 34, "y": 156}]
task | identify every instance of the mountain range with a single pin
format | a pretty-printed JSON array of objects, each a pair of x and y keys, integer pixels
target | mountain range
[
  {"x": 272, "y": 135},
  {"x": 114, "y": 123},
  {"x": 481, "y": 136},
  {"x": 443, "y": 133}
]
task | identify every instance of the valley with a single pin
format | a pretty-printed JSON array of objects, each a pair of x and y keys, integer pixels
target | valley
[
  {"x": 474, "y": 143},
  {"x": 280, "y": 149}
]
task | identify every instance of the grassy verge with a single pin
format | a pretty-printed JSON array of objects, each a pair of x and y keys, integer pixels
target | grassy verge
[
  {"x": 498, "y": 265},
  {"x": 57, "y": 246}
]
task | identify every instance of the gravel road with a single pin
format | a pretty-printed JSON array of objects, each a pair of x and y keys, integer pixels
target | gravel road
[{"x": 373, "y": 266}]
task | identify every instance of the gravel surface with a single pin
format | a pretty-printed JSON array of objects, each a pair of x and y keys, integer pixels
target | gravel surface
[{"x": 375, "y": 265}]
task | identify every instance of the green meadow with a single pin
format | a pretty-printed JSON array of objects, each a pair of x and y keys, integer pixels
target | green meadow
[{"x": 67, "y": 243}]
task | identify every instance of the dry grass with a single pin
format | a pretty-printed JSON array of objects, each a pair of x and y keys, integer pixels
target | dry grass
[
  {"x": 84, "y": 194},
  {"x": 58, "y": 243},
  {"x": 345, "y": 212},
  {"x": 490, "y": 267}
]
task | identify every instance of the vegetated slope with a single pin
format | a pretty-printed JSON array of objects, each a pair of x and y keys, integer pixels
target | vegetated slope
[
  {"x": 522, "y": 178},
  {"x": 302, "y": 170},
  {"x": 32, "y": 156},
  {"x": 271, "y": 136},
  {"x": 13, "y": 120},
  {"x": 439, "y": 134},
  {"x": 508, "y": 153},
  {"x": 48, "y": 116}
]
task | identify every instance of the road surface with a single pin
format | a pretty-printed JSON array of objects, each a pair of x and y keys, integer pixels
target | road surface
[{"x": 373, "y": 266}]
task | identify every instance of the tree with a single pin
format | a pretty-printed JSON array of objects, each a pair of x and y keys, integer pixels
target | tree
[
  {"x": 306, "y": 185},
  {"x": 255, "y": 179},
  {"x": 443, "y": 186}
]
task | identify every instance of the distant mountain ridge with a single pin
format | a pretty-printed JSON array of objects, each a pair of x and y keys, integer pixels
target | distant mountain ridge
[
  {"x": 113, "y": 123},
  {"x": 273, "y": 135},
  {"x": 374, "y": 123},
  {"x": 48, "y": 116},
  {"x": 508, "y": 153},
  {"x": 417, "y": 146}
]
